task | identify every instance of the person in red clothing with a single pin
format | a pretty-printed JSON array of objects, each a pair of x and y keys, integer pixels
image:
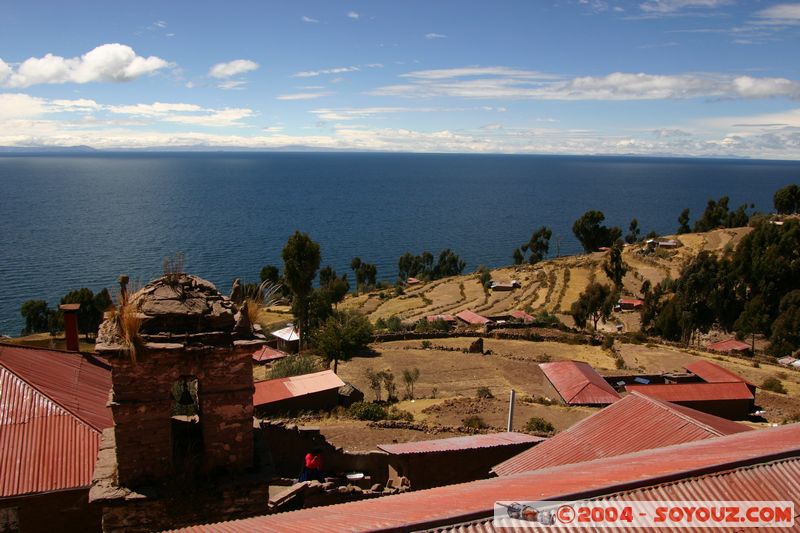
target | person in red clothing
[{"x": 312, "y": 469}]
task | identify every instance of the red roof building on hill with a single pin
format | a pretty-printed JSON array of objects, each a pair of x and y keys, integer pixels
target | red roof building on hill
[
  {"x": 268, "y": 354},
  {"x": 319, "y": 390},
  {"x": 578, "y": 384},
  {"x": 52, "y": 411},
  {"x": 729, "y": 346},
  {"x": 472, "y": 318},
  {"x": 522, "y": 315},
  {"x": 753, "y": 465},
  {"x": 634, "y": 423},
  {"x": 713, "y": 373},
  {"x": 734, "y": 401}
]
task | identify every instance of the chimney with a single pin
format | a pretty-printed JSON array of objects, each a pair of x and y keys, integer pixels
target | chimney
[{"x": 71, "y": 325}]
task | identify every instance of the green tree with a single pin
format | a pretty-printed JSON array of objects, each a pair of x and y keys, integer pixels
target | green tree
[
  {"x": 785, "y": 338},
  {"x": 633, "y": 232},
  {"x": 615, "y": 267},
  {"x": 410, "y": 378},
  {"x": 38, "y": 316},
  {"x": 342, "y": 335},
  {"x": 270, "y": 273},
  {"x": 591, "y": 234},
  {"x": 683, "y": 222},
  {"x": 415, "y": 266},
  {"x": 89, "y": 316},
  {"x": 538, "y": 245},
  {"x": 301, "y": 258},
  {"x": 518, "y": 257},
  {"x": 718, "y": 215},
  {"x": 484, "y": 276},
  {"x": 787, "y": 200},
  {"x": 596, "y": 302},
  {"x": 449, "y": 264},
  {"x": 336, "y": 287},
  {"x": 753, "y": 319}
]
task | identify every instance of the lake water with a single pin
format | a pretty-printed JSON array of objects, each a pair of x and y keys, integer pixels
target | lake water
[{"x": 81, "y": 220}]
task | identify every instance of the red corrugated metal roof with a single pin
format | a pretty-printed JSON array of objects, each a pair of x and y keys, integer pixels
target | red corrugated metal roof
[
  {"x": 43, "y": 447},
  {"x": 713, "y": 373},
  {"x": 774, "y": 480},
  {"x": 695, "y": 392},
  {"x": 471, "y": 317},
  {"x": 454, "y": 504},
  {"x": 268, "y": 353},
  {"x": 274, "y": 390},
  {"x": 634, "y": 423},
  {"x": 470, "y": 442},
  {"x": 446, "y": 318},
  {"x": 729, "y": 345},
  {"x": 578, "y": 383},
  {"x": 78, "y": 383},
  {"x": 522, "y": 315}
]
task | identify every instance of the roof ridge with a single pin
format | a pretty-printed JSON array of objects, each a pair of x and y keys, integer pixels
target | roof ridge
[{"x": 668, "y": 406}]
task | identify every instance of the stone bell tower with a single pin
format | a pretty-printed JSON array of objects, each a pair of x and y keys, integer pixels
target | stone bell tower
[{"x": 182, "y": 447}]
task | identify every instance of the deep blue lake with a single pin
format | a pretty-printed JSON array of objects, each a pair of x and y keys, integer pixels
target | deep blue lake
[{"x": 71, "y": 221}]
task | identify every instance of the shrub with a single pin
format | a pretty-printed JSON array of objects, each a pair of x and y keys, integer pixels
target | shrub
[
  {"x": 295, "y": 365},
  {"x": 619, "y": 363},
  {"x": 474, "y": 422},
  {"x": 539, "y": 425},
  {"x": 608, "y": 342},
  {"x": 426, "y": 345},
  {"x": 399, "y": 414},
  {"x": 773, "y": 384},
  {"x": 367, "y": 411},
  {"x": 484, "y": 392},
  {"x": 394, "y": 324}
]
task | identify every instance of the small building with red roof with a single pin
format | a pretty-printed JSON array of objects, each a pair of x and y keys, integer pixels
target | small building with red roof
[
  {"x": 472, "y": 318},
  {"x": 630, "y": 304},
  {"x": 729, "y": 346},
  {"x": 733, "y": 400},
  {"x": 577, "y": 383},
  {"x": 450, "y": 319},
  {"x": 308, "y": 392},
  {"x": 522, "y": 315},
  {"x": 268, "y": 354},
  {"x": 432, "y": 463}
]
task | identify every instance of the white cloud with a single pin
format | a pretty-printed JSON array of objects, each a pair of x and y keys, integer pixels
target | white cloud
[
  {"x": 213, "y": 118},
  {"x": 18, "y": 105},
  {"x": 353, "y": 15},
  {"x": 160, "y": 24},
  {"x": 508, "y": 83},
  {"x": 232, "y": 68},
  {"x": 779, "y": 15},
  {"x": 673, "y": 6},
  {"x": 232, "y": 84},
  {"x": 309, "y": 19},
  {"x": 5, "y": 71},
  {"x": 155, "y": 109},
  {"x": 351, "y": 113},
  {"x": 435, "y": 36},
  {"x": 109, "y": 62},
  {"x": 301, "y": 96},
  {"x": 314, "y": 73}
]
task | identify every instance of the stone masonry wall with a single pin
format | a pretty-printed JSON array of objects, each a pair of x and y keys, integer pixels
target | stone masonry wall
[{"x": 142, "y": 402}]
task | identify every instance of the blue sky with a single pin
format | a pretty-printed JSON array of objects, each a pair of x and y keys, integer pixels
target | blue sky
[{"x": 678, "y": 77}]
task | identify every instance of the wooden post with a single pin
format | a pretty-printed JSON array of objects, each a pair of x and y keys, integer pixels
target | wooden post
[{"x": 511, "y": 410}]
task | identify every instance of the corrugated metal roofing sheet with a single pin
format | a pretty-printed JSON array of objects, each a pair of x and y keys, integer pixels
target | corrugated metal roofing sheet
[
  {"x": 288, "y": 334},
  {"x": 522, "y": 315},
  {"x": 713, "y": 373},
  {"x": 578, "y": 383},
  {"x": 43, "y": 447},
  {"x": 446, "y": 318},
  {"x": 634, "y": 423},
  {"x": 268, "y": 353},
  {"x": 470, "y": 442},
  {"x": 78, "y": 383},
  {"x": 471, "y": 317},
  {"x": 455, "y": 504},
  {"x": 274, "y": 390},
  {"x": 695, "y": 392},
  {"x": 775, "y": 480},
  {"x": 729, "y": 345}
]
